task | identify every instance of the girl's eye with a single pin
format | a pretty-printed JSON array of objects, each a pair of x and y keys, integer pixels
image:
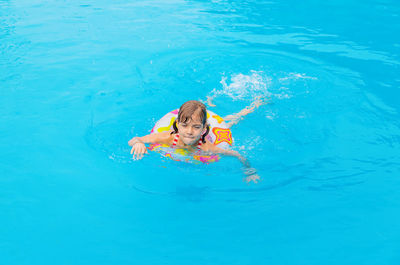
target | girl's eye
[{"x": 183, "y": 125}]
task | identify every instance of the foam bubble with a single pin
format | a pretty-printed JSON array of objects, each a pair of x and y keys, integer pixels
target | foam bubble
[{"x": 296, "y": 76}]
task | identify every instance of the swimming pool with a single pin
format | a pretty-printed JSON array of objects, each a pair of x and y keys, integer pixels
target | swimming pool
[{"x": 79, "y": 79}]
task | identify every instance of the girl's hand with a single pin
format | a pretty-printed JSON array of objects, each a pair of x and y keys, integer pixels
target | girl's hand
[
  {"x": 138, "y": 150},
  {"x": 252, "y": 175}
]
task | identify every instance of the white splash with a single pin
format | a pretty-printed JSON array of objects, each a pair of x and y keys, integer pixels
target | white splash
[{"x": 244, "y": 86}]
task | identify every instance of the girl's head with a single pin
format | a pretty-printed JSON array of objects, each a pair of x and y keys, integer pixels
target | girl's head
[{"x": 192, "y": 122}]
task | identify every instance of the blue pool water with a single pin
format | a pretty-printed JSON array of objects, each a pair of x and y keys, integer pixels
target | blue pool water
[{"x": 79, "y": 79}]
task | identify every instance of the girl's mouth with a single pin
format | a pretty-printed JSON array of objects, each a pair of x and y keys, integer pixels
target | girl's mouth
[{"x": 189, "y": 140}]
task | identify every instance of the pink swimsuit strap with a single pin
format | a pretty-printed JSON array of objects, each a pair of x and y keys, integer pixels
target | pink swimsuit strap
[{"x": 175, "y": 141}]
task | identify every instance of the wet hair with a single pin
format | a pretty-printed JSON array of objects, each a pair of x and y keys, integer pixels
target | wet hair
[{"x": 187, "y": 111}]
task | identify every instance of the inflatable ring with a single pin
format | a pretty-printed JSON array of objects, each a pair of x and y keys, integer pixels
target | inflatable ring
[{"x": 220, "y": 135}]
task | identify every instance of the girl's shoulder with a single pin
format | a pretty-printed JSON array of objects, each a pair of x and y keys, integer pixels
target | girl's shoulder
[
  {"x": 165, "y": 137},
  {"x": 158, "y": 137},
  {"x": 208, "y": 146}
]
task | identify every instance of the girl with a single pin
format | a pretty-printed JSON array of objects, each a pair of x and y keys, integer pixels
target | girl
[{"x": 190, "y": 130}]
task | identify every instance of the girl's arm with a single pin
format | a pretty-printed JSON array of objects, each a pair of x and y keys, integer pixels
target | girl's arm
[
  {"x": 161, "y": 137},
  {"x": 250, "y": 172},
  {"x": 138, "y": 143}
]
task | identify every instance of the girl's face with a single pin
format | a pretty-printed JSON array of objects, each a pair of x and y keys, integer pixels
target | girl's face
[{"x": 191, "y": 131}]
